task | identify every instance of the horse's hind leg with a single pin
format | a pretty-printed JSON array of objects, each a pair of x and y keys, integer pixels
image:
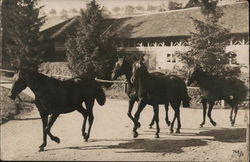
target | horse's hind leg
[
  {"x": 48, "y": 128},
  {"x": 211, "y": 105},
  {"x": 85, "y": 116},
  {"x": 177, "y": 111},
  {"x": 172, "y": 123},
  {"x": 166, "y": 118},
  {"x": 152, "y": 122},
  {"x": 89, "y": 106},
  {"x": 204, "y": 105},
  {"x": 176, "y": 107}
]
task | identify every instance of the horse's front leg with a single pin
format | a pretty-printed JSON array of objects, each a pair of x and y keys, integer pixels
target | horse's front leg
[
  {"x": 44, "y": 118},
  {"x": 89, "y": 106},
  {"x": 209, "y": 113},
  {"x": 141, "y": 105},
  {"x": 235, "y": 113},
  {"x": 130, "y": 108},
  {"x": 84, "y": 113},
  {"x": 156, "y": 117},
  {"x": 231, "y": 114},
  {"x": 48, "y": 128}
]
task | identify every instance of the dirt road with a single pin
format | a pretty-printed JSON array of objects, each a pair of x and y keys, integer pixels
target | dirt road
[{"x": 112, "y": 138}]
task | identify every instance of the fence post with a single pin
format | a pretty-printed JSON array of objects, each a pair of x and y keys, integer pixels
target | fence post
[{"x": 125, "y": 87}]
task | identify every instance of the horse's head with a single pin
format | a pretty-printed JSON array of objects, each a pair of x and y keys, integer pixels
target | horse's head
[
  {"x": 19, "y": 84},
  {"x": 138, "y": 69},
  {"x": 193, "y": 74},
  {"x": 119, "y": 68}
]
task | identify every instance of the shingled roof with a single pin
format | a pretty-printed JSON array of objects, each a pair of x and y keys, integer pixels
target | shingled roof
[
  {"x": 165, "y": 24},
  {"x": 177, "y": 22},
  {"x": 65, "y": 28}
]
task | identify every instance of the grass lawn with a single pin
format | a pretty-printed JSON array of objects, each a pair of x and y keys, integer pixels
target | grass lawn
[{"x": 9, "y": 108}]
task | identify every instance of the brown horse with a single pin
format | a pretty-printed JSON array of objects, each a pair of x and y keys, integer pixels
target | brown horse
[
  {"x": 124, "y": 67},
  {"x": 154, "y": 90},
  {"x": 54, "y": 97},
  {"x": 231, "y": 90}
]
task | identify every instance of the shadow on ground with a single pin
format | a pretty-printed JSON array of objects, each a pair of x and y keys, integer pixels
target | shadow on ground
[
  {"x": 145, "y": 145},
  {"x": 232, "y": 135},
  {"x": 158, "y": 146}
]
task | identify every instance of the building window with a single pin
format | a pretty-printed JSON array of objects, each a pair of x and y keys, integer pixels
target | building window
[
  {"x": 171, "y": 58},
  {"x": 233, "y": 60}
]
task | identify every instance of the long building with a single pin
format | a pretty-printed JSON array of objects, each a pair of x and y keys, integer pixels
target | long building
[{"x": 160, "y": 35}]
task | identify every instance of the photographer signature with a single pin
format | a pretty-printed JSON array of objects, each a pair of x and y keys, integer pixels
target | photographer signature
[{"x": 238, "y": 152}]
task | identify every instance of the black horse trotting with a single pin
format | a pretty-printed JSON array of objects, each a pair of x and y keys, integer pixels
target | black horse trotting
[
  {"x": 231, "y": 90},
  {"x": 54, "y": 97},
  {"x": 124, "y": 67}
]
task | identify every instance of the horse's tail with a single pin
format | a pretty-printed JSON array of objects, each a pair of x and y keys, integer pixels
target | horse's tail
[
  {"x": 100, "y": 95},
  {"x": 185, "y": 97}
]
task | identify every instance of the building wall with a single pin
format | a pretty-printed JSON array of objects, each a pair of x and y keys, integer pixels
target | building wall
[{"x": 162, "y": 56}]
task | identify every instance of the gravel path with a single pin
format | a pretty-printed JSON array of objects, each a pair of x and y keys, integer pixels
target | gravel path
[{"x": 111, "y": 137}]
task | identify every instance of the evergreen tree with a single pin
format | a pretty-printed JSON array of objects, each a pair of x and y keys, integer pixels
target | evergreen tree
[
  {"x": 21, "y": 24},
  {"x": 208, "y": 43},
  {"x": 88, "y": 53}
]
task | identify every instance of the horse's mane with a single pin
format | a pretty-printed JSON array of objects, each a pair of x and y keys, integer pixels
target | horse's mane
[{"x": 42, "y": 77}]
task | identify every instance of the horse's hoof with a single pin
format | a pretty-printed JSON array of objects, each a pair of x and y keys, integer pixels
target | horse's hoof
[
  {"x": 232, "y": 123},
  {"x": 157, "y": 136},
  {"x": 168, "y": 123},
  {"x": 177, "y": 131},
  {"x": 86, "y": 137},
  {"x": 171, "y": 131},
  {"x": 135, "y": 134},
  {"x": 150, "y": 126},
  {"x": 201, "y": 125},
  {"x": 213, "y": 123},
  {"x": 56, "y": 139},
  {"x": 41, "y": 148}
]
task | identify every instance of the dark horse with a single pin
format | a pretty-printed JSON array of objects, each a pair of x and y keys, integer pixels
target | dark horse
[
  {"x": 124, "y": 67},
  {"x": 213, "y": 88},
  {"x": 157, "y": 89},
  {"x": 54, "y": 97}
]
